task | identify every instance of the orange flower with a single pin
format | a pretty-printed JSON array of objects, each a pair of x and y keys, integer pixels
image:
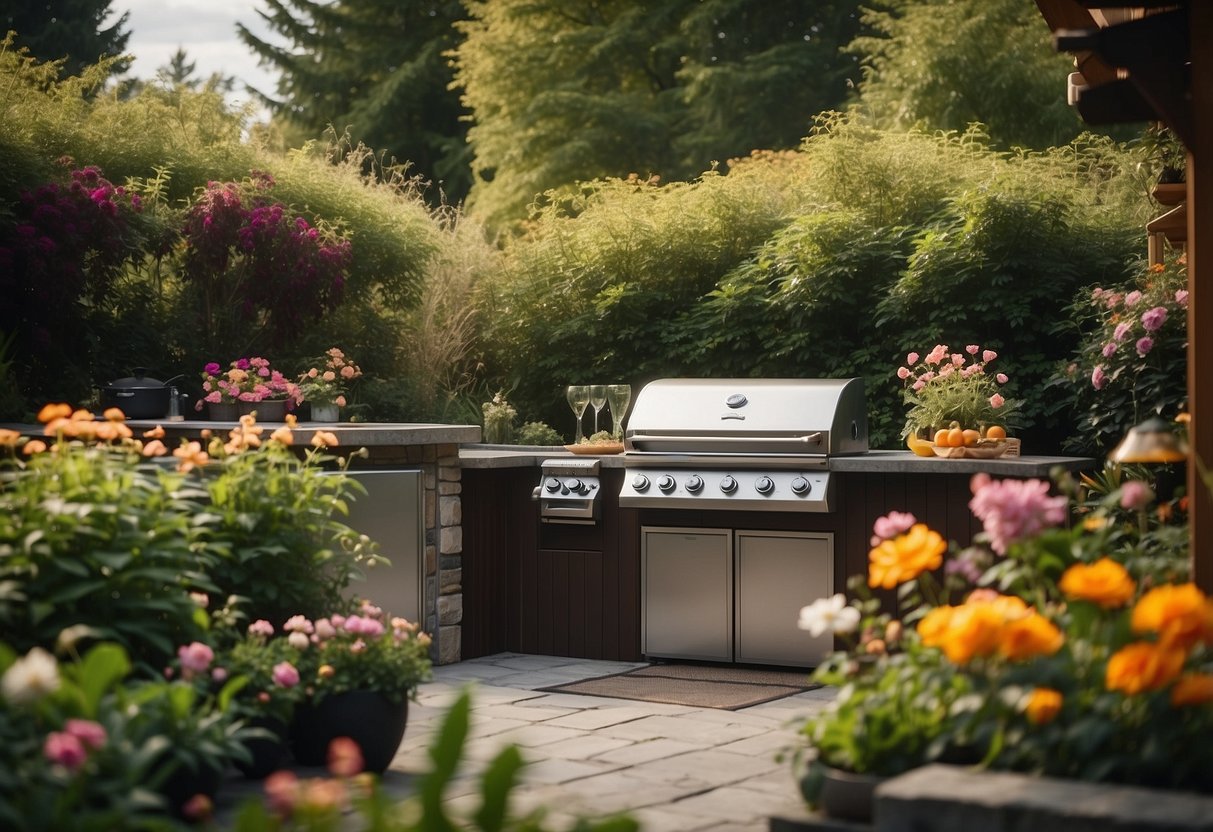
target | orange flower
[
  {"x": 114, "y": 414},
  {"x": 1030, "y": 636},
  {"x": 190, "y": 454},
  {"x": 1143, "y": 666},
  {"x": 324, "y": 439},
  {"x": 1104, "y": 582},
  {"x": 155, "y": 433},
  {"x": 1044, "y": 704},
  {"x": 972, "y": 630},
  {"x": 1181, "y": 614},
  {"x": 283, "y": 436},
  {"x": 933, "y": 626},
  {"x": 51, "y": 412},
  {"x": 34, "y": 446},
  {"x": 1192, "y": 689},
  {"x": 9, "y": 438},
  {"x": 905, "y": 557}
]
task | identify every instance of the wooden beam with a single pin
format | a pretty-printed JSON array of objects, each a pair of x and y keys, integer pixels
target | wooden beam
[
  {"x": 1068, "y": 14},
  {"x": 1200, "y": 290}
]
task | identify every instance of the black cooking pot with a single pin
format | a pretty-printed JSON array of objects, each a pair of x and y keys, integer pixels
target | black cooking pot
[{"x": 139, "y": 397}]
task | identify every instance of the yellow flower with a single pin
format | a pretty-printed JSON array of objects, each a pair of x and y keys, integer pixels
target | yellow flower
[
  {"x": 1030, "y": 636},
  {"x": 1044, "y": 704},
  {"x": 1104, "y": 582},
  {"x": 1192, "y": 689},
  {"x": 1180, "y": 613},
  {"x": 1143, "y": 666},
  {"x": 905, "y": 557}
]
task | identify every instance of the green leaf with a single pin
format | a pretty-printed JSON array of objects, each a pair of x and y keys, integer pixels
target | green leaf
[{"x": 498, "y": 779}]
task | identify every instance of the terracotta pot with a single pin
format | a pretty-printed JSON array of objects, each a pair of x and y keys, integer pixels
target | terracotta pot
[{"x": 367, "y": 717}]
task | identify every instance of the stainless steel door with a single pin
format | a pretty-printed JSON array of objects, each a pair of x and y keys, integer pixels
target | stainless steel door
[
  {"x": 777, "y": 574},
  {"x": 686, "y": 593},
  {"x": 390, "y": 513}
]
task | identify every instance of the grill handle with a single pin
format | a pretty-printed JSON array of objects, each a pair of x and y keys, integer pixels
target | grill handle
[{"x": 810, "y": 439}]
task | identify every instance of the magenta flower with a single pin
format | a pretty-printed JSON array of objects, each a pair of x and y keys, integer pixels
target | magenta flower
[
  {"x": 1144, "y": 345},
  {"x": 1098, "y": 379},
  {"x": 285, "y": 675},
  {"x": 90, "y": 733},
  {"x": 63, "y": 749},
  {"x": 195, "y": 657},
  {"x": 891, "y": 525},
  {"x": 1135, "y": 495},
  {"x": 1012, "y": 510},
  {"x": 1153, "y": 319},
  {"x": 212, "y": 368}
]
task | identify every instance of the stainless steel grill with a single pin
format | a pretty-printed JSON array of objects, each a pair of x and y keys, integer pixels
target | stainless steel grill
[
  {"x": 568, "y": 491},
  {"x": 749, "y": 444}
]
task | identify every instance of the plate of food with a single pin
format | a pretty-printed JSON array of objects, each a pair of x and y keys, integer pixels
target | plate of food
[{"x": 599, "y": 444}]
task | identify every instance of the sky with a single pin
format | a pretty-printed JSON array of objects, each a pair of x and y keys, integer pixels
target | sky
[{"x": 206, "y": 29}]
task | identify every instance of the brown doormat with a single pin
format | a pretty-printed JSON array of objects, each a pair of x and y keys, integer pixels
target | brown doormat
[{"x": 699, "y": 686}]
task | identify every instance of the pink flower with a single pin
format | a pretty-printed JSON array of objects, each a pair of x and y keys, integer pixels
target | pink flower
[
  {"x": 918, "y": 385},
  {"x": 198, "y": 808},
  {"x": 958, "y": 359},
  {"x": 339, "y": 401},
  {"x": 972, "y": 349},
  {"x": 988, "y": 356},
  {"x": 1153, "y": 319},
  {"x": 891, "y": 525},
  {"x": 1001, "y": 378},
  {"x": 358, "y": 646},
  {"x": 1098, "y": 379},
  {"x": 63, "y": 749},
  {"x": 344, "y": 757},
  {"x": 1135, "y": 494},
  {"x": 325, "y": 629},
  {"x": 214, "y": 397},
  {"x": 285, "y": 675},
  {"x": 1109, "y": 349},
  {"x": 261, "y": 627},
  {"x": 329, "y": 375},
  {"x": 1181, "y": 297},
  {"x": 90, "y": 733},
  {"x": 903, "y": 373},
  {"x": 297, "y": 624},
  {"x": 938, "y": 354},
  {"x": 282, "y": 792},
  {"x": 219, "y": 674},
  {"x": 348, "y": 371},
  {"x": 1014, "y": 509},
  {"x": 912, "y": 359},
  {"x": 997, "y": 401},
  {"x": 1144, "y": 345},
  {"x": 1132, "y": 298},
  {"x": 195, "y": 657}
]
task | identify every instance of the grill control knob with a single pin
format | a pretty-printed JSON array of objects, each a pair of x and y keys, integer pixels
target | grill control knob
[
  {"x": 728, "y": 485},
  {"x": 695, "y": 483},
  {"x": 640, "y": 482},
  {"x": 764, "y": 485},
  {"x": 800, "y": 485},
  {"x": 666, "y": 483},
  {"x": 575, "y": 485},
  {"x": 552, "y": 484}
]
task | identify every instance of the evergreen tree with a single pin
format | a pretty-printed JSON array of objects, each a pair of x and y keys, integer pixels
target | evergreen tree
[
  {"x": 377, "y": 68},
  {"x": 571, "y": 90},
  {"x": 72, "y": 30}
]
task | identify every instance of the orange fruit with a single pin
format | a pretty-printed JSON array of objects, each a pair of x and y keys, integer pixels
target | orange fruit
[
  {"x": 971, "y": 437},
  {"x": 941, "y": 437},
  {"x": 956, "y": 438},
  {"x": 996, "y": 432}
]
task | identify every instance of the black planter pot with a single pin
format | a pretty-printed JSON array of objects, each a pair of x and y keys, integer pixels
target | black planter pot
[
  {"x": 267, "y": 750},
  {"x": 366, "y": 717},
  {"x": 848, "y": 796}
]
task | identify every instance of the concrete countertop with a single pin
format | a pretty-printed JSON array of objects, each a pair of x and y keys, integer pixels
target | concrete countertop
[{"x": 873, "y": 462}]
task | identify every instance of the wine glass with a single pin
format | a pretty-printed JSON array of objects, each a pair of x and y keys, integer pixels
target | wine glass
[
  {"x": 578, "y": 396},
  {"x": 618, "y": 397},
  {"x": 597, "y": 400}
]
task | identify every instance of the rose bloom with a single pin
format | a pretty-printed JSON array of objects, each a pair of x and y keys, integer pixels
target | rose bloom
[
  {"x": 1098, "y": 380},
  {"x": 1104, "y": 582},
  {"x": 1029, "y": 637},
  {"x": 1153, "y": 319},
  {"x": 62, "y": 749},
  {"x": 905, "y": 557},
  {"x": 1181, "y": 614},
  {"x": 1144, "y": 345},
  {"x": 1044, "y": 704},
  {"x": 1143, "y": 666},
  {"x": 891, "y": 525},
  {"x": 1011, "y": 510},
  {"x": 1192, "y": 689},
  {"x": 90, "y": 733},
  {"x": 285, "y": 675},
  {"x": 195, "y": 657}
]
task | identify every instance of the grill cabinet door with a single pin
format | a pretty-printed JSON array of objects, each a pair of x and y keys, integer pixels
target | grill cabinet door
[
  {"x": 687, "y": 593},
  {"x": 777, "y": 574}
]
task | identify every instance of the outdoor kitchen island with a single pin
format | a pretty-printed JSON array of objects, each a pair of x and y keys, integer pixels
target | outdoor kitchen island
[{"x": 576, "y": 589}]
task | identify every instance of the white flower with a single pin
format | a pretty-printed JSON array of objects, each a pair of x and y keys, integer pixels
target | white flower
[
  {"x": 829, "y": 614},
  {"x": 298, "y": 640},
  {"x": 30, "y": 678}
]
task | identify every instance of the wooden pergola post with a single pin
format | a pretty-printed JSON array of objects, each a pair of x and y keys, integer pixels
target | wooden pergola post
[{"x": 1200, "y": 276}]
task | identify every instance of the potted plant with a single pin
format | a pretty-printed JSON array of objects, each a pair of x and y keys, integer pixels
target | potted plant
[
  {"x": 955, "y": 401},
  {"x": 250, "y": 385},
  {"x": 360, "y": 673},
  {"x": 1075, "y": 650},
  {"x": 220, "y": 392},
  {"x": 323, "y": 384}
]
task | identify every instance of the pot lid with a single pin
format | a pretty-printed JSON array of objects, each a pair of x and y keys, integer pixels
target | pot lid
[{"x": 140, "y": 380}]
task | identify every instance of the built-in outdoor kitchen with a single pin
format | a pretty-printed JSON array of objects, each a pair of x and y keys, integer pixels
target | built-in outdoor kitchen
[{"x": 734, "y": 503}]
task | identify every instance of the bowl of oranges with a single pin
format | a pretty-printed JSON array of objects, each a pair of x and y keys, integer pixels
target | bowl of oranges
[{"x": 956, "y": 442}]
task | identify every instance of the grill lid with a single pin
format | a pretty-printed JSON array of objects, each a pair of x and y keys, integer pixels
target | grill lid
[{"x": 750, "y": 416}]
